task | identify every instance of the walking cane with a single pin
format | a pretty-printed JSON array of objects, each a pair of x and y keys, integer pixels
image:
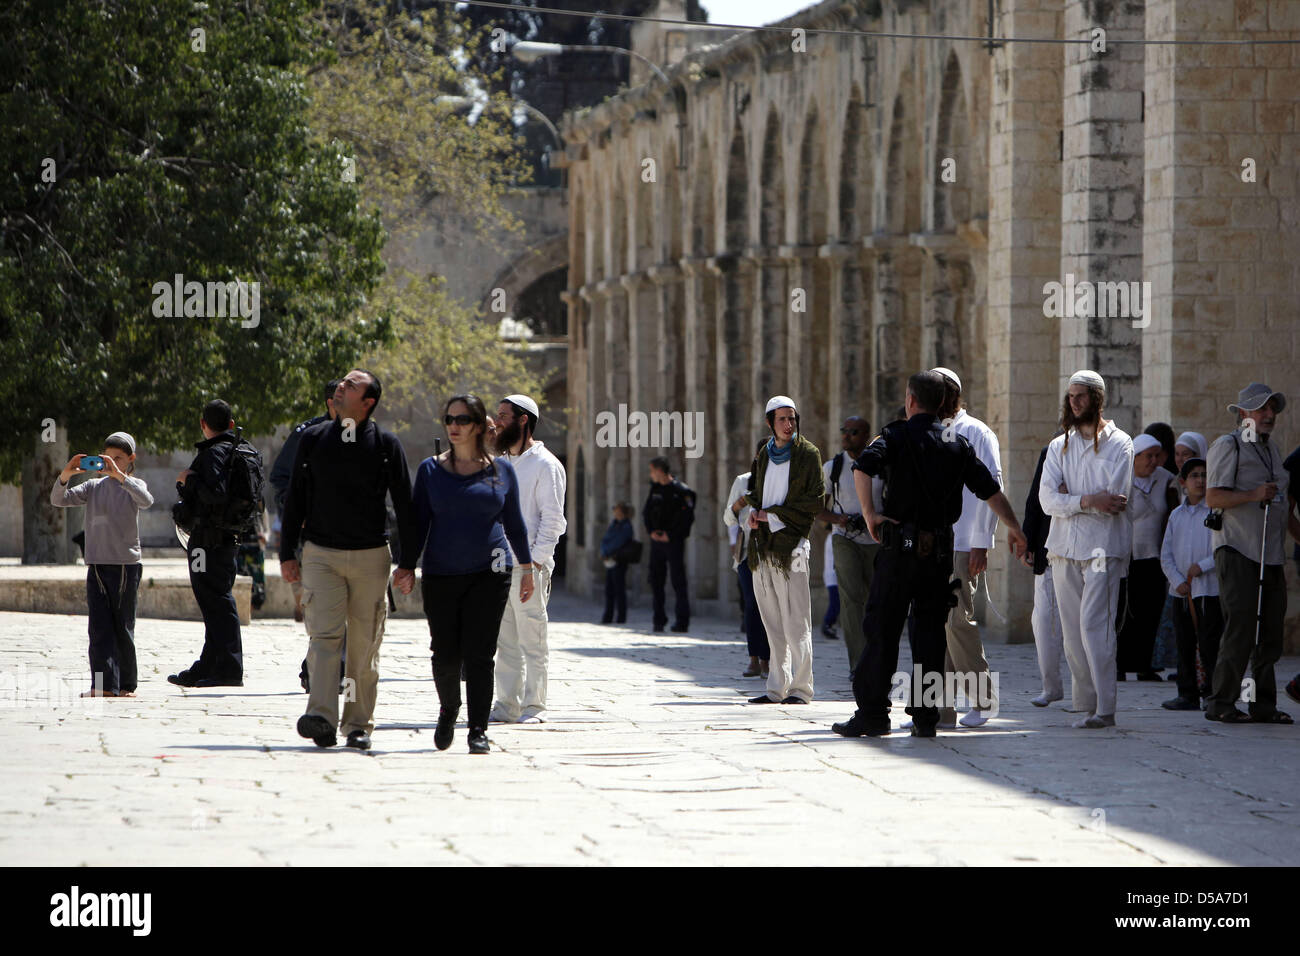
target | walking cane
[{"x": 1259, "y": 601}]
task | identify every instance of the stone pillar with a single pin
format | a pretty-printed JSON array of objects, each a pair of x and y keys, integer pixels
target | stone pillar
[
  {"x": 886, "y": 332},
  {"x": 696, "y": 284},
  {"x": 640, "y": 388},
  {"x": 1101, "y": 205},
  {"x": 769, "y": 373},
  {"x": 595, "y": 299},
  {"x": 1024, "y": 253},
  {"x": 941, "y": 282}
]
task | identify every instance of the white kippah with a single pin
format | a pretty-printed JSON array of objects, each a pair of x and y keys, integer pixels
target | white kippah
[
  {"x": 1142, "y": 442},
  {"x": 125, "y": 438},
  {"x": 950, "y": 375},
  {"x": 524, "y": 402},
  {"x": 1086, "y": 376},
  {"x": 780, "y": 401}
]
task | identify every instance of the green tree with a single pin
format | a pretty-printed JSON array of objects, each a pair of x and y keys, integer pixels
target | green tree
[{"x": 150, "y": 138}]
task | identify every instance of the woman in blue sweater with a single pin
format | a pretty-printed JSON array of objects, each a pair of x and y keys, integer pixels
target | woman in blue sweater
[{"x": 466, "y": 507}]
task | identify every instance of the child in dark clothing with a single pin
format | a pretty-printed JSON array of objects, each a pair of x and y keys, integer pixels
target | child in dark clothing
[{"x": 113, "y": 503}]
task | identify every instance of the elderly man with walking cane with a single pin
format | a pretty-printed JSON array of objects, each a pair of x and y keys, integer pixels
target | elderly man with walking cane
[{"x": 1247, "y": 490}]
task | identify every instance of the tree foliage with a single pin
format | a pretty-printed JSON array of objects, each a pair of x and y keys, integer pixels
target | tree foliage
[{"x": 173, "y": 152}]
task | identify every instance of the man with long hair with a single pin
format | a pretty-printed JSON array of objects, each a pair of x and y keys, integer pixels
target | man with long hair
[{"x": 1087, "y": 477}]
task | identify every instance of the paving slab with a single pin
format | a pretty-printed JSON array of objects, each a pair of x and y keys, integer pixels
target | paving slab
[{"x": 649, "y": 755}]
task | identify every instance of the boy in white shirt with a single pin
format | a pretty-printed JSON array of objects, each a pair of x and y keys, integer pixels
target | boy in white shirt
[{"x": 1187, "y": 558}]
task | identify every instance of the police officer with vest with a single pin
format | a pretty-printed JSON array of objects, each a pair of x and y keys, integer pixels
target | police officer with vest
[{"x": 924, "y": 468}]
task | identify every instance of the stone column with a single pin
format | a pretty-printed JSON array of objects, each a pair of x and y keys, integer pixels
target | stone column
[
  {"x": 886, "y": 332},
  {"x": 596, "y": 301},
  {"x": 941, "y": 281},
  {"x": 1024, "y": 253},
  {"x": 1101, "y": 205}
]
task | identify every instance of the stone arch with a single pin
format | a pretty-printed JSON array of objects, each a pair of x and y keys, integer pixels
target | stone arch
[
  {"x": 952, "y": 200},
  {"x": 537, "y": 261},
  {"x": 813, "y": 183},
  {"x": 771, "y": 215},
  {"x": 737, "y": 194},
  {"x": 855, "y": 172}
]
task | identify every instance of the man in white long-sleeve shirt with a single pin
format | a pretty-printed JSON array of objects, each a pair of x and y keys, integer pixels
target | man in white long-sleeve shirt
[
  {"x": 521, "y": 643},
  {"x": 1087, "y": 475},
  {"x": 972, "y": 538}
]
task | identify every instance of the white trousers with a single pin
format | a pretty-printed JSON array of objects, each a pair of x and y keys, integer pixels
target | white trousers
[
  {"x": 1047, "y": 634},
  {"x": 1087, "y": 598},
  {"x": 785, "y": 606},
  {"x": 521, "y": 651}
]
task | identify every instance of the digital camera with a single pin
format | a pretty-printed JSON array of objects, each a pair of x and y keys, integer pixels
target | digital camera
[
  {"x": 1214, "y": 520},
  {"x": 92, "y": 463},
  {"x": 855, "y": 524}
]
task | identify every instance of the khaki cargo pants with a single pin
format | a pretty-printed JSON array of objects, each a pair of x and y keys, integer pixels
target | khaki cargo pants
[{"x": 344, "y": 592}]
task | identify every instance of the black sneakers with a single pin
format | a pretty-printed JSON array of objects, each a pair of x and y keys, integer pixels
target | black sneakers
[
  {"x": 317, "y": 729},
  {"x": 478, "y": 741},
  {"x": 359, "y": 739},
  {"x": 763, "y": 699}
]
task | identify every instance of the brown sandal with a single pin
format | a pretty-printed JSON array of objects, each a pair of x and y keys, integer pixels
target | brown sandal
[{"x": 1233, "y": 716}]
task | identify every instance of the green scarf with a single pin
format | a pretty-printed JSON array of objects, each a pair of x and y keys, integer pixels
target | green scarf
[{"x": 803, "y": 501}]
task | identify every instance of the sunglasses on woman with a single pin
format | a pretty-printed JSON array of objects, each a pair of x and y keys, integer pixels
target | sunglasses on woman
[{"x": 461, "y": 420}]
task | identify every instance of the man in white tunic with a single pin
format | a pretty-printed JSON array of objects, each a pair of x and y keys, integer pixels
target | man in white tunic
[
  {"x": 521, "y": 643},
  {"x": 1087, "y": 475},
  {"x": 972, "y": 539}
]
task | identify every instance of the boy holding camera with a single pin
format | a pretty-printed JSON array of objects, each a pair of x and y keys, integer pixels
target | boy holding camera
[
  {"x": 1187, "y": 559},
  {"x": 113, "y": 502},
  {"x": 1247, "y": 488}
]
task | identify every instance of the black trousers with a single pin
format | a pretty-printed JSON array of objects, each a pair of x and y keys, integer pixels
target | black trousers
[
  {"x": 1205, "y": 636},
  {"x": 903, "y": 582},
  {"x": 616, "y": 593},
  {"x": 1141, "y": 599},
  {"x": 755, "y": 632},
  {"x": 111, "y": 591},
  {"x": 223, "y": 650},
  {"x": 464, "y": 613},
  {"x": 669, "y": 557}
]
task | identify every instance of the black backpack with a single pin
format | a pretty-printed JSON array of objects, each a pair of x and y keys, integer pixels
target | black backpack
[{"x": 245, "y": 477}]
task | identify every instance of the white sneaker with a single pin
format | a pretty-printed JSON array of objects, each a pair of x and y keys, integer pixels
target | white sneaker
[
  {"x": 529, "y": 719},
  {"x": 1042, "y": 700},
  {"x": 1080, "y": 724},
  {"x": 496, "y": 717},
  {"x": 974, "y": 719}
]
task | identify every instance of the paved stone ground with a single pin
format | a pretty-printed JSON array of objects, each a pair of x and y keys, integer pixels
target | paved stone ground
[{"x": 649, "y": 757}]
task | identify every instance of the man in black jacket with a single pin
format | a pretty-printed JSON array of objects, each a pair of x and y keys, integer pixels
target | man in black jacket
[
  {"x": 668, "y": 515},
  {"x": 203, "y": 489},
  {"x": 342, "y": 474},
  {"x": 1047, "y": 617}
]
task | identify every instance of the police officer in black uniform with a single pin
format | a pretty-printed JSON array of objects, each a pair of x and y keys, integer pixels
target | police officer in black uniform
[
  {"x": 924, "y": 475},
  {"x": 669, "y": 513}
]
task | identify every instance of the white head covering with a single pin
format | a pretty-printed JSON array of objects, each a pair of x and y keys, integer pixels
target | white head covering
[
  {"x": 1143, "y": 442},
  {"x": 1086, "y": 376},
  {"x": 950, "y": 375},
  {"x": 780, "y": 401},
  {"x": 123, "y": 437},
  {"x": 524, "y": 402},
  {"x": 1193, "y": 440}
]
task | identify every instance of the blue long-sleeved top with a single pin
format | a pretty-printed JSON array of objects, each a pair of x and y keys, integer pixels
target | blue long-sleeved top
[
  {"x": 618, "y": 534},
  {"x": 462, "y": 521}
]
